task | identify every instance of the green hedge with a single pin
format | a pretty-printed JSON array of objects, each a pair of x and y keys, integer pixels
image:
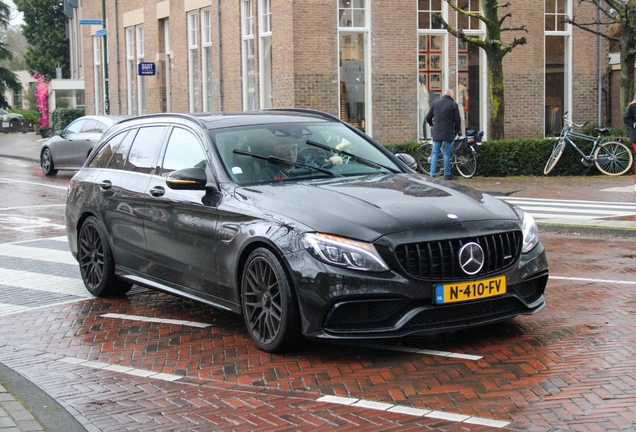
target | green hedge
[
  {"x": 521, "y": 157},
  {"x": 62, "y": 117},
  {"x": 30, "y": 116}
]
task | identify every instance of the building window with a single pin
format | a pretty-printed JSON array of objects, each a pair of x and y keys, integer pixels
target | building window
[
  {"x": 166, "y": 33},
  {"x": 206, "y": 42},
  {"x": 194, "y": 70},
  {"x": 97, "y": 76},
  {"x": 558, "y": 61},
  {"x": 267, "y": 95},
  {"x": 141, "y": 80},
  {"x": 131, "y": 83},
  {"x": 353, "y": 59},
  {"x": 427, "y": 11},
  {"x": 465, "y": 22},
  {"x": 247, "y": 31}
]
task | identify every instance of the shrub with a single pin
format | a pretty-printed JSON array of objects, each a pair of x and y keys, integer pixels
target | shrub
[
  {"x": 30, "y": 116},
  {"x": 520, "y": 157},
  {"x": 62, "y": 117}
]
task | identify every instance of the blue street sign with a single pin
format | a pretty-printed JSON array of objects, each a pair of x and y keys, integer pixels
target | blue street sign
[
  {"x": 100, "y": 33},
  {"x": 146, "y": 68},
  {"x": 91, "y": 22}
]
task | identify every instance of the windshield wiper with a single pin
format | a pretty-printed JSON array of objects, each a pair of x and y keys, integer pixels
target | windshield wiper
[
  {"x": 360, "y": 159},
  {"x": 280, "y": 161}
]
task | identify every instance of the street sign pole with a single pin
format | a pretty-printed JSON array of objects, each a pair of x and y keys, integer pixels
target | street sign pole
[{"x": 106, "y": 100}]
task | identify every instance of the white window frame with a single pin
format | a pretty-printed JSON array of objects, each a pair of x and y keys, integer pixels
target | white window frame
[
  {"x": 141, "y": 83},
  {"x": 166, "y": 32},
  {"x": 265, "y": 57},
  {"x": 247, "y": 54},
  {"x": 365, "y": 29},
  {"x": 206, "y": 58},
  {"x": 567, "y": 58},
  {"x": 194, "y": 85},
  {"x": 97, "y": 76},
  {"x": 130, "y": 71}
]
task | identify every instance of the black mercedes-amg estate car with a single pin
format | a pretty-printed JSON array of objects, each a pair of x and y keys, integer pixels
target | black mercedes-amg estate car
[{"x": 302, "y": 224}]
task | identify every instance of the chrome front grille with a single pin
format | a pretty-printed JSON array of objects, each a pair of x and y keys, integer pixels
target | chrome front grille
[{"x": 438, "y": 260}]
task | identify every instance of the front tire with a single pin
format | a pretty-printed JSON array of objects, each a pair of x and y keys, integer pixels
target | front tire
[
  {"x": 467, "y": 164},
  {"x": 557, "y": 151},
  {"x": 269, "y": 307},
  {"x": 97, "y": 265},
  {"x": 613, "y": 158},
  {"x": 46, "y": 162},
  {"x": 423, "y": 158}
]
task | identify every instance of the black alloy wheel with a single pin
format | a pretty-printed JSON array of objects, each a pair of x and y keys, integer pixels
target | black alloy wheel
[
  {"x": 46, "y": 162},
  {"x": 269, "y": 307},
  {"x": 97, "y": 265}
]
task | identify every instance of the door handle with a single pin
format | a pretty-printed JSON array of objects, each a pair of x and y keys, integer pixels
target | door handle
[
  {"x": 157, "y": 191},
  {"x": 106, "y": 184}
]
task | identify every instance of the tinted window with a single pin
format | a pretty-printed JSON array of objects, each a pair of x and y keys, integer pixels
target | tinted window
[
  {"x": 75, "y": 127},
  {"x": 145, "y": 149},
  {"x": 121, "y": 153},
  {"x": 106, "y": 151},
  {"x": 89, "y": 126},
  {"x": 184, "y": 151}
]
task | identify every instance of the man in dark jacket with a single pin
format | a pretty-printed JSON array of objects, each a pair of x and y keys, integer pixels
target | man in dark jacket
[{"x": 444, "y": 118}]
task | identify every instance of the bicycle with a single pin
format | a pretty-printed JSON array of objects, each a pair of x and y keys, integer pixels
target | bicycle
[
  {"x": 466, "y": 164},
  {"x": 610, "y": 157}
]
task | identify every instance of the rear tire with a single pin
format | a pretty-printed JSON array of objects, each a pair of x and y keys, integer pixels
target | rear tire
[
  {"x": 423, "y": 158},
  {"x": 467, "y": 164},
  {"x": 613, "y": 158},
  {"x": 269, "y": 307},
  {"x": 46, "y": 162},
  {"x": 557, "y": 151},
  {"x": 97, "y": 265}
]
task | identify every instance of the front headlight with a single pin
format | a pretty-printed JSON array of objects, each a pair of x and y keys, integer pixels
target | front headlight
[
  {"x": 344, "y": 252},
  {"x": 530, "y": 233}
]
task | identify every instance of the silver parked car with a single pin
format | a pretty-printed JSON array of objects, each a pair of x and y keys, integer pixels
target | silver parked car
[{"x": 68, "y": 149}]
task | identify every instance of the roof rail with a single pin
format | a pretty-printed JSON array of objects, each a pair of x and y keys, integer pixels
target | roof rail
[
  {"x": 306, "y": 111},
  {"x": 171, "y": 114}
]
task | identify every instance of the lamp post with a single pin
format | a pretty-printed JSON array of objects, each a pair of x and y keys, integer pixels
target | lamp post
[{"x": 106, "y": 100}]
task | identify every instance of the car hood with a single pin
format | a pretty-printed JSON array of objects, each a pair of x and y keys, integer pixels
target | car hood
[{"x": 369, "y": 207}]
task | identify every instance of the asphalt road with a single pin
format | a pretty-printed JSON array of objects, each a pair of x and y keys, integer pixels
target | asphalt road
[{"x": 151, "y": 361}]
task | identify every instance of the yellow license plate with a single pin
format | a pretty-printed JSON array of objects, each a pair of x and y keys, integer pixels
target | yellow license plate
[{"x": 464, "y": 291}]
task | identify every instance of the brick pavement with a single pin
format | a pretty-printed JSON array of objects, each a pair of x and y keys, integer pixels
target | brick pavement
[{"x": 570, "y": 367}]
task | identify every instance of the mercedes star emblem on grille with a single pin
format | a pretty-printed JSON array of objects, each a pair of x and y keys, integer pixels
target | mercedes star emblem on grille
[{"x": 471, "y": 258}]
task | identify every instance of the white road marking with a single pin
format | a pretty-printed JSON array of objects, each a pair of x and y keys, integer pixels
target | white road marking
[
  {"x": 44, "y": 282},
  {"x": 8, "y": 180},
  {"x": 594, "y": 280},
  {"x": 157, "y": 320},
  {"x": 48, "y": 255}
]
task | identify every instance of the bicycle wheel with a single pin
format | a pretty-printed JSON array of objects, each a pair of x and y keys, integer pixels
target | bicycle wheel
[
  {"x": 467, "y": 164},
  {"x": 613, "y": 158},
  {"x": 423, "y": 158},
  {"x": 557, "y": 151}
]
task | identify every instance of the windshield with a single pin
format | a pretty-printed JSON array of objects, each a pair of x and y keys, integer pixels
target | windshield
[{"x": 294, "y": 151}]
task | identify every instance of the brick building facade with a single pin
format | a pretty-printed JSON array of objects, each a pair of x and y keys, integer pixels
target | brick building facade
[{"x": 357, "y": 59}]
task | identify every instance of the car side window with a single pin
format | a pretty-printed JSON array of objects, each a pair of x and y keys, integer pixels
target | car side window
[
  {"x": 89, "y": 125},
  {"x": 121, "y": 153},
  {"x": 145, "y": 149},
  {"x": 106, "y": 151},
  {"x": 100, "y": 127},
  {"x": 75, "y": 127},
  {"x": 184, "y": 151}
]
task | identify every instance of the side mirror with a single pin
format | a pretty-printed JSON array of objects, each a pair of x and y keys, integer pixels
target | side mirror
[
  {"x": 59, "y": 132},
  {"x": 408, "y": 160},
  {"x": 187, "y": 179}
]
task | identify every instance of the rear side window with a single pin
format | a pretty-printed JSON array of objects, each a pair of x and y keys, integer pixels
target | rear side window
[
  {"x": 145, "y": 149},
  {"x": 105, "y": 152},
  {"x": 121, "y": 153},
  {"x": 89, "y": 126},
  {"x": 184, "y": 151}
]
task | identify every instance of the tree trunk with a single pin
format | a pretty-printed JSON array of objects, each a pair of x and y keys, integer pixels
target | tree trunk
[
  {"x": 628, "y": 59},
  {"x": 496, "y": 94}
]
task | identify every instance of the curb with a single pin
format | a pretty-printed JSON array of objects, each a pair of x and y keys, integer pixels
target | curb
[{"x": 31, "y": 407}]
